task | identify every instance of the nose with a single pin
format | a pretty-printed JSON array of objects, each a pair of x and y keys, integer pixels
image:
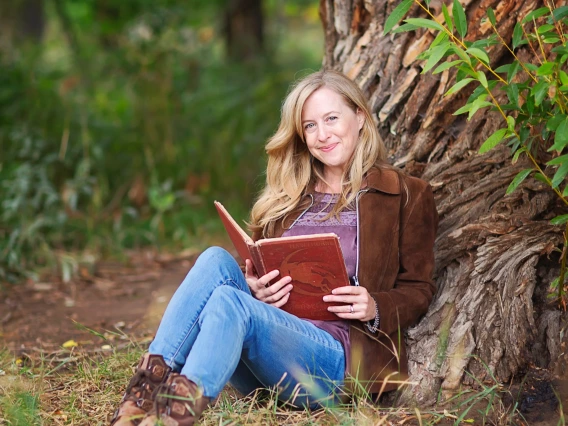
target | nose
[{"x": 323, "y": 134}]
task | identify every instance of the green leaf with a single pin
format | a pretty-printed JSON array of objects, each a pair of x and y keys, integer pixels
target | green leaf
[
  {"x": 565, "y": 192},
  {"x": 463, "y": 109},
  {"x": 397, "y": 14},
  {"x": 424, "y": 23},
  {"x": 440, "y": 38},
  {"x": 448, "y": 18},
  {"x": 445, "y": 66},
  {"x": 404, "y": 28},
  {"x": 560, "y": 50},
  {"x": 539, "y": 91},
  {"x": 553, "y": 122},
  {"x": 563, "y": 77},
  {"x": 551, "y": 40},
  {"x": 503, "y": 68},
  {"x": 536, "y": 14},
  {"x": 491, "y": 16},
  {"x": 558, "y": 160},
  {"x": 458, "y": 51},
  {"x": 521, "y": 176},
  {"x": 477, "y": 92},
  {"x": 492, "y": 141},
  {"x": 546, "y": 69},
  {"x": 559, "y": 220},
  {"x": 460, "y": 18},
  {"x": 511, "y": 123},
  {"x": 513, "y": 70},
  {"x": 560, "y": 13},
  {"x": 544, "y": 28},
  {"x": 458, "y": 86},
  {"x": 437, "y": 53},
  {"x": 479, "y": 54},
  {"x": 467, "y": 71},
  {"x": 512, "y": 91},
  {"x": 540, "y": 178},
  {"x": 561, "y": 137},
  {"x": 518, "y": 153},
  {"x": 477, "y": 104},
  {"x": 559, "y": 175},
  {"x": 517, "y": 35},
  {"x": 482, "y": 79}
]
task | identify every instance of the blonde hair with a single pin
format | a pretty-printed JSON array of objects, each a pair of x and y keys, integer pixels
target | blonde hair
[{"x": 291, "y": 168}]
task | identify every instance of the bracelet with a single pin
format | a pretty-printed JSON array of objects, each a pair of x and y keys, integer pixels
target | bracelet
[{"x": 375, "y": 326}]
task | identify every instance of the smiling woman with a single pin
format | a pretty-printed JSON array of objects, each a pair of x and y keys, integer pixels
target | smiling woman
[
  {"x": 331, "y": 131},
  {"x": 326, "y": 173}
]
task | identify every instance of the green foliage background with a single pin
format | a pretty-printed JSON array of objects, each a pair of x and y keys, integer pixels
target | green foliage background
[{"x": 118, "y": 130}]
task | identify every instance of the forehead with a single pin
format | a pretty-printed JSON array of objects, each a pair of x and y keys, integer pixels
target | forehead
[{"x": 322, "y": 101}]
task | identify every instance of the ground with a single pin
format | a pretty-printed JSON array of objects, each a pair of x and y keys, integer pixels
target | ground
[
  {"x": 109, "y": 304},
  {"x": 113, "y": 297}
]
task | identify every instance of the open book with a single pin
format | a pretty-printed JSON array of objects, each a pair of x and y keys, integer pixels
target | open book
[{"x": 315, "y": 263}]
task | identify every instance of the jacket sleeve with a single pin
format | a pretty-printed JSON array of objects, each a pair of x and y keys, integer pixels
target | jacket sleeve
[{"x": 414, "y": 288}]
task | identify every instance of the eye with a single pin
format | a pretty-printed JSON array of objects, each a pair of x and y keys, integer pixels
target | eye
[
  {"x": 331, "y": 118},
  {"x": 309, "y": 126}
]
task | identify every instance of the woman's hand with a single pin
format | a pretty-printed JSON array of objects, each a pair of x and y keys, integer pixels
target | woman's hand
[
  {"x": 276, "y": 294},
  {"x": 359, "y": 303}
]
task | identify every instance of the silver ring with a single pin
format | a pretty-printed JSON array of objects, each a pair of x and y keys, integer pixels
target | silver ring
[{"x": 351, "y": 308}]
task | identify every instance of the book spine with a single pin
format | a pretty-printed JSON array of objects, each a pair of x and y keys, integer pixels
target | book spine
[{"x": 257, "y": 260}]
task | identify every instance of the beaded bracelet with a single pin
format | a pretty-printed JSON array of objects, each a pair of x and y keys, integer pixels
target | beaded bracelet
[{"x": 375, "y": 327}]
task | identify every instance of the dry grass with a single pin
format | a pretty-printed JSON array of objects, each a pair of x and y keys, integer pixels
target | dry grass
[{"x": 72, "y": 387}]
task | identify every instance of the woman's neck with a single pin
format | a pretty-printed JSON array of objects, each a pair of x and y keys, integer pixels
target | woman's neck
[{"x": 332, "y": 182}]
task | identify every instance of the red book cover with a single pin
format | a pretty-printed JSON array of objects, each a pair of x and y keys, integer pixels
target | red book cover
[{"x": 315, "y": 263}]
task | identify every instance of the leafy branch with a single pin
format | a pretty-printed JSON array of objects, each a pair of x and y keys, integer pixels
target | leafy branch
[{"x": 535, "y": 113}]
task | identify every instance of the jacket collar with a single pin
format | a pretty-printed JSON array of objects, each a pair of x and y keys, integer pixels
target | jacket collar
[
  {"x": 385, "y": 180},
  {"x": 381, "y": 179}
]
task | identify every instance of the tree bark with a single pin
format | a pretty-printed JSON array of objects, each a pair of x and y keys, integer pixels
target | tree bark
[{"x": 494, "y": 252}]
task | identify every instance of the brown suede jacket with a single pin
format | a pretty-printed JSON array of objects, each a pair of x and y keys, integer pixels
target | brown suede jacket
[{"x": 398, "y": 224}]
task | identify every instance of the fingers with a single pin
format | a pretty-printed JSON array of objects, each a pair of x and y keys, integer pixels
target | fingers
[
  {"x": 349, "y": 311},
  {"x": 282, "y": 301},
  {"x": 248, "y": 268},
  {"x": 349, "y": 289},
  {"x": 276, "y": 291},
  {"x": 353, "y": 302}
]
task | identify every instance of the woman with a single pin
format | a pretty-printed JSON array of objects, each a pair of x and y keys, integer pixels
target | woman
[{"x": 326, "y": 172}]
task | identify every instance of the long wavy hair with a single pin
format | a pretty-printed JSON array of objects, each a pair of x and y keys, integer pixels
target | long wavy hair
[{"x": 292, "y": 169}]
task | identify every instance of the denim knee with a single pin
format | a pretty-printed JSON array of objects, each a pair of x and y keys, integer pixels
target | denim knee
[
  {"x": 225, "y": 299},
  {"x": 216, "y": 255}
]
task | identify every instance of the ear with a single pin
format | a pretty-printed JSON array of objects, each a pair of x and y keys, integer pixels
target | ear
[{"x": 360, "y": 118}]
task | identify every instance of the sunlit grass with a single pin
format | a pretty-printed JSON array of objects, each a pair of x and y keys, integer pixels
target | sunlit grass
[{"x": 71, "y": 387}]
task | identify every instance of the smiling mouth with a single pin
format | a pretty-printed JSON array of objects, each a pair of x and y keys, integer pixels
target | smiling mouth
[{"x": 328, "y": 147}]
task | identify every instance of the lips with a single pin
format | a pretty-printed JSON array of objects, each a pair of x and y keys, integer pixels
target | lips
[{"x": 328, "y": 148}]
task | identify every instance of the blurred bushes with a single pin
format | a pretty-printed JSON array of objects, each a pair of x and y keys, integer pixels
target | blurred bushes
[{"x": 120, "y": 133}]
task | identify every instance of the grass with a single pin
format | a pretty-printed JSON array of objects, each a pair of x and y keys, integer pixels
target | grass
[{"x": 72, "y": 387}]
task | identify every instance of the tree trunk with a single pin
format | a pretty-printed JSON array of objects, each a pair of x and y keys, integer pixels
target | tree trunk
[
  {"x": 494, "y": 252},
  {"x": 244, "y": 29},
  {"x": 21, "y": 21}
]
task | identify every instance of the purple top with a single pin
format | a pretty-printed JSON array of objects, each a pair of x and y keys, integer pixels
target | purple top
[{"x": 346, "y": 229}]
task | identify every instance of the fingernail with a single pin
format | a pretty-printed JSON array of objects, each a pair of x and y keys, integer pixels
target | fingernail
[{"x": 325, "y": 298}]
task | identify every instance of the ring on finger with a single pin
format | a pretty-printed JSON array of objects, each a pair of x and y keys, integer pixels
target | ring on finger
[{"x": 351, "y": 309}]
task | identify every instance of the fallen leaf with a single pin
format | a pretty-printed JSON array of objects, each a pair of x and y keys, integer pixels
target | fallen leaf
[{"x": 70, "y": 344}]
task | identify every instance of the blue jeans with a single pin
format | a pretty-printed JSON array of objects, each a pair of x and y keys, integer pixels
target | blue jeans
[{"x": 214, "y": 331}]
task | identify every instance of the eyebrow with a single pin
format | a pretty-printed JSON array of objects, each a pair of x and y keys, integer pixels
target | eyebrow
[{"x": 325, "y": 115}]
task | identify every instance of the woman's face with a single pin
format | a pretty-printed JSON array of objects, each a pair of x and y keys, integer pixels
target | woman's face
[{"x": 331, "y": 129}]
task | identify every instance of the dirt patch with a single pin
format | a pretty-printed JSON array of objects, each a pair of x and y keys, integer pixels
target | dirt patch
[{"x": 117, "y": 301}]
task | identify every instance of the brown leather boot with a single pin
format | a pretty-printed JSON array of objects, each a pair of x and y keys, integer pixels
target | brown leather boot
[
  {"x": 178, "y": 402},
  {"x": 152, "y": 371}
]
